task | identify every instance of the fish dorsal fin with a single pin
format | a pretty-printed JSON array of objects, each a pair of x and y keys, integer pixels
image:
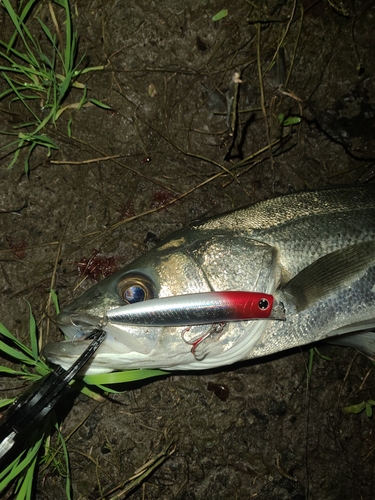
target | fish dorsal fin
[{"x": 329, "y": 273}]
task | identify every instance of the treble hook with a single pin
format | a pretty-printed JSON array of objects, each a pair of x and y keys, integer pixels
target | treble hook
[{"x": 198, "y": 349}]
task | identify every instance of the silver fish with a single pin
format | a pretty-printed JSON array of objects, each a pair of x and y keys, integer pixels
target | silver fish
[{"x": 313, "y": 251}]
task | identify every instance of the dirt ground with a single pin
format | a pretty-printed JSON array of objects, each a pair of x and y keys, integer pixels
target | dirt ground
[{"x": 169, "y": 78}]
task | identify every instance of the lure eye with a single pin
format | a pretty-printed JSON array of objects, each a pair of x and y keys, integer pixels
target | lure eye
[
  {"x": 135, "y": 288},
  {"x": 263, "y": 304}
]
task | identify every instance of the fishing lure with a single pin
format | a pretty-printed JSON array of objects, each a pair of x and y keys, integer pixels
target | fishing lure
[{"x": 198, "y": 309}]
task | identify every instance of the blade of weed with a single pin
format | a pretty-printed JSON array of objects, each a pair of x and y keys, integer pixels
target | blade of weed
[
  {"x": 33, "y": 336},
  {"x": 120, "y": 377},
  {"x": 6, "y": 402},
  {"x": 20, "y": 464},
  {"x": 19, "y": 95},
  {"x": 22, "y": 17},
  {"x": 55, "y": 300},
  {"x": 66, "y": 458},
  {"x": 10, "y": 371}
]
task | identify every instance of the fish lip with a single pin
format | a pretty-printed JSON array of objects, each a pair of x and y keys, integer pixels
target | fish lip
[{"x": 78, "y": 320}]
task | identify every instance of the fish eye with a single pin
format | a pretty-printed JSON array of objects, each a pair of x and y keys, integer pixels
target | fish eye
[
  {"x": 135, "y": 293},
  {"x": 135, "y": 288}
]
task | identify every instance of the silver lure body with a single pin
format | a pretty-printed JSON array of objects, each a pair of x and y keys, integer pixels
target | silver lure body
[
  {"x": 314, "y": 251},
  {"x": 198, "y": 309}
]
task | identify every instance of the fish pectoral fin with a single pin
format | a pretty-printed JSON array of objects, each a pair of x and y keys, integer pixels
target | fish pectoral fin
[
  {"x": 329, "y": 273},
  {"x": 363, "y": 342}
]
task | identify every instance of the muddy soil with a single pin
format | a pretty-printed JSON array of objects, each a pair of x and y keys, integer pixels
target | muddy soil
[{"x": 160, "y": 159}]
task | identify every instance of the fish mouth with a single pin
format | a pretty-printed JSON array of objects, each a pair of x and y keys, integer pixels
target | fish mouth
[
  {"x": 121, "y": 339},
  {"x": 77, "y": 325}
]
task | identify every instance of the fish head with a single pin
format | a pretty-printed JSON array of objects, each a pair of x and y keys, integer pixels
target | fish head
[{"x": 190, "y": 261}]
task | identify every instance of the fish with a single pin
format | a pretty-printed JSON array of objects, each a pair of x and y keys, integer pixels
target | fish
[{"x": 313, "y": 251}]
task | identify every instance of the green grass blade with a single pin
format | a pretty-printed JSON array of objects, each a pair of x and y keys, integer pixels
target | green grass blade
[
  {"x": 100, "y": 104},
  {"x": 13, "y": 58},
  {"x": 16, "y": 154},
  {"x": 6, "y": 402},
  {"x": 3, "y": 474},
  {"x": 69, "y": 127},
  {"x": 27, "y": 159},
  {"x": 8, "y": 91},
  {"x": 6, "y": 333},
  {"x": 70, "y": 39},
  {"x": 63, "y": 88},
  {"x": 15, "y": 354},
  {"x": 20, "y": 464},
  {"x": 33, "y": 335},
  {"x": 220, "y": 15},
  {"x": 51, "y": 38},
  {"x": 22, "y": 17},
  {"x": 310, "y": 364},
  {"x": 83, "y": 99},
  {"x": 47, "y": 62},
  {"x": 88, "y": 392},
  {"x": 21, "y": 30},
  {"x": 55, "y": 300},
  {"x": 10, "y": 371},
  {"x": 67, "y": 465},
  {"x": 45, "y": 121},
  {"x": 15, "y": 19},
  {"x": 20, "y": 96},
  {"x": 101, "y": 380},
  {"x": 41, "y": 140},
  {"x": 25, "y": 484},
  {"x": 88, "y": 70}
]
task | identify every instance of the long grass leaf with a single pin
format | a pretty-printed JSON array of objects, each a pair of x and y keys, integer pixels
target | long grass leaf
[
  {"x": 64, "y": 87},
  {"x": 7, "y": 92},
  {"x": 51, "y": 38},
  {"x": 69, "y": 127},
  {"x": 21, "y": 30},
  {"x": 93, "y": 68},
  {"x": 20, "y": 464},
  {"x": 16, "y": 154},
  {"x": 6, "y": 470},
  {"x": 69, "y": 39},
  {"x": 20, "y": 96},
  {"x": 10, "y": 371},
  {"x": 27, "y": 159},
  {"x": 92, "y": 394},
  {"x": 100, "y": 104},
  {"x": 25, "y": 484},
  {"x": 13, "y": 55},
  {"x": 310, "y": 363},
  {"x": 46, "y": 61},
  {"x": 15, "y": 354},
  {"x": 22, "y": 17},
  {"x": 67, "y": 465},
  {"x": 6, "y": 402},
  {"x": 101, "y": 380},
  {"x": 43, "y": 123},
  {"x": 24, "y": 125},
  {"x": 15, "y": 19},
  {"x": 55, "y": 300},
  {"x": 42, "y": 140},
  {"x": 83, "y": 99},
  {"x": 33, "y": 335},
  {"x": 6, "y": 333}
]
